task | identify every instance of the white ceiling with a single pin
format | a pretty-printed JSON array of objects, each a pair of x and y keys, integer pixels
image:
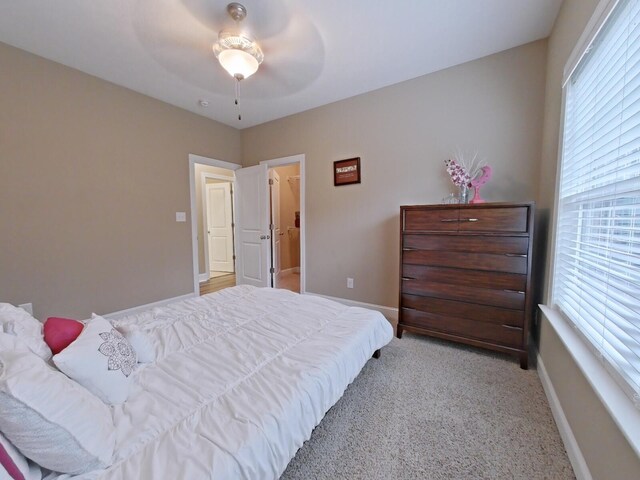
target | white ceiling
[{"x": 316, "y": 51}]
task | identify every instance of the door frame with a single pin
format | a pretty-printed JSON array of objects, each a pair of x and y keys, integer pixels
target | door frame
[
  {"x": 193, "y": 159},
  {"x": 278, "y": 162},
  {"x": 205, "y": 207}
]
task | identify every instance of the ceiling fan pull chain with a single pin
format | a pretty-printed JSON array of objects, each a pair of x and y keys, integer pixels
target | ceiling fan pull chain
[{"x": 238, "y": 97}]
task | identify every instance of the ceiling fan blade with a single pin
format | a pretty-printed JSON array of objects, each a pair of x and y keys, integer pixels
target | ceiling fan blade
[{"x": 180, "y": 36}]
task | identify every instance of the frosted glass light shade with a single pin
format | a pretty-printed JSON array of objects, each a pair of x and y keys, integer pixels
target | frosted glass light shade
[{"x": 238, "y": 62}]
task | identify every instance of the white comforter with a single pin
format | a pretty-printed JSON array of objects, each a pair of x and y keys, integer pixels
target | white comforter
[{"x": 241, "y": 378}]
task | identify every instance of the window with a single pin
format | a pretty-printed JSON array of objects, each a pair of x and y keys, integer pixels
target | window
[{"x": 596, "y": 280}]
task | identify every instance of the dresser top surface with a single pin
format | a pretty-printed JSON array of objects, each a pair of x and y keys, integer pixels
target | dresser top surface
[{"x": 469, "y": 205}]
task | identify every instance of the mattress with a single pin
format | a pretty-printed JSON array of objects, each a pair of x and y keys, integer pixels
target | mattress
[{"x": 241, "y": 378}]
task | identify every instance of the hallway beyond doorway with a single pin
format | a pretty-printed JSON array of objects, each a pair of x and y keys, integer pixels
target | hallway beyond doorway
[
  {"x": 218, "y": 283},
  {"x": 288, "y": 281}
]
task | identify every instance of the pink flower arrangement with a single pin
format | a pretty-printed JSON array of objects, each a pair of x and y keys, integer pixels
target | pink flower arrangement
[
  {"x": 458, "y": 173},
  {"x": 463, "y": 168}
]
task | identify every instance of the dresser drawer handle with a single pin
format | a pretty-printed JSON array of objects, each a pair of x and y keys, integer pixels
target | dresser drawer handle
[
  {"x": 520, "y": 292},
  {"x": 470, "y": 219},
  {"x": 510, "y": 327},
  {"x": 449, "y": 220},
  {"x": 514, "y": 255}
]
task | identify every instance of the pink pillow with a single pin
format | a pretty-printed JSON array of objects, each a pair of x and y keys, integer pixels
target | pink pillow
[
  {"x": 60, "y": 332},
  {"x": 9, "y": 465},
  {"x": 13, "y": 463}
]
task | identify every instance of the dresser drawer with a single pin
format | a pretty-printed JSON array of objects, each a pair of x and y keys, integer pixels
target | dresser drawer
[
  {"x": 484, "y": 296},
  {"x": 512, "y": 246},
  {"x": 466, "y": 278},
  {"x": 488, "y": 332},
  {"x": 472, "y": 311},
  {"x": 434, "y": 219},
  {"x": 470, "y": 261},
  {"x": 491, "y": 219}
]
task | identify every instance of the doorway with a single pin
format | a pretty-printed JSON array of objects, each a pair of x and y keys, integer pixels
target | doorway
[
  {"x": 212, "y": 185},
  {"x": 252, "y": 234},
  {"x": 284, "y": 189}
]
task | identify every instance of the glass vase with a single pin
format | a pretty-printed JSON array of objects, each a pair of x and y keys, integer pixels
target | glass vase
[{"x": 463, "y": 195}]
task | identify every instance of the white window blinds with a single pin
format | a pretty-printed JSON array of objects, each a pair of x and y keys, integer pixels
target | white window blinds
[{"x": 596, "y": 280}]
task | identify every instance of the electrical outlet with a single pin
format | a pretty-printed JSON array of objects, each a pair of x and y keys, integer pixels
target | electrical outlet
[
  {"x": 181, "y": 216},
  {"x": 349, "y": 282},
  {"x": 27, "y": 307}
]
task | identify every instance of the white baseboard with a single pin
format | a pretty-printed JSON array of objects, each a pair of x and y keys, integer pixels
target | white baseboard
[
  {"x": 203, "y": 277},
  {"x": 142, "y": 308},
  {"x": 576, "y": 458},
  {"x": 390, "y": 313}
]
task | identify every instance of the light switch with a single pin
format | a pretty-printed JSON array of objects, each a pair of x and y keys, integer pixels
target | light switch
[{"x": 181, "y": 216}]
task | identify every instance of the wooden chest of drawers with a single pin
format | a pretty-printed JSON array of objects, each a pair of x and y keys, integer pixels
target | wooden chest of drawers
[{"x": 465, "y": 274}]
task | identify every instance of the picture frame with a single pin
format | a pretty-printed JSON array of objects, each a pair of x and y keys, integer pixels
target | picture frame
[{"x": 346, "y": 172}]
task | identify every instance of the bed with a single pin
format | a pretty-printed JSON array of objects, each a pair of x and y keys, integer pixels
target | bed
[{"x": 241, "y": 378}]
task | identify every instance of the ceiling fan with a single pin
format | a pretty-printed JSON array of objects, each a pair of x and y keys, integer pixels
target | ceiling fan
[
  {"x": 237, "y": 51},
  {"x": 276, "y": 44}
]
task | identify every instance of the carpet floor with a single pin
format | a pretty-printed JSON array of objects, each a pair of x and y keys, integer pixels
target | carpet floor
[{"x": 429, "y": 409}]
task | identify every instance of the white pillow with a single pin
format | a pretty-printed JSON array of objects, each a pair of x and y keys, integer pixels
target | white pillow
[
  {"x": 16, "y": 461},
  {"x": 18, "y": 322},
  {"x": 141, "y": 343},
  {"x": 101, "y": 360},
  {"x": 51, "y": 419}
]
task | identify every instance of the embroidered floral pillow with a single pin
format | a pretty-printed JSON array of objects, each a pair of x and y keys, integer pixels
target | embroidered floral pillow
[
  {"x": 101, "y": 360},
  {"x": 119, "y": 352}
]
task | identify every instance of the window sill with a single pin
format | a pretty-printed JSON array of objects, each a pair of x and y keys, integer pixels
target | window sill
[{"x": 621, "y": 408}]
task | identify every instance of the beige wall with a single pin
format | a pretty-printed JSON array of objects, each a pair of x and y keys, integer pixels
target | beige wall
[
  {"x": 91, "y": 176},
  {"x": 607, "y": 453},
  {"x": 403, "y": 133},
  {"x": 199, "y": 169},
  {"x": 289, "y": 204}
]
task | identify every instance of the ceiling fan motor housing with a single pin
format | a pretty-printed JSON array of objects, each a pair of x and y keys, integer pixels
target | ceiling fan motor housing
[{"x": 237, "y": 11}]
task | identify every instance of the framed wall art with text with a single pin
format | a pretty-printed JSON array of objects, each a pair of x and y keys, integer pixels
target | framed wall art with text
[{"x": 346, "y": 172}]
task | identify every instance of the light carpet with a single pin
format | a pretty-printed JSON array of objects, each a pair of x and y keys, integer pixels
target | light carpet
[{"x": 429, "y": 409}]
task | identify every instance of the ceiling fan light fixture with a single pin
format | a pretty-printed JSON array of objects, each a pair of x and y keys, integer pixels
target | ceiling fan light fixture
[
  {"x": 236, "y": 51},
  {"x": 239, "y": 63}
]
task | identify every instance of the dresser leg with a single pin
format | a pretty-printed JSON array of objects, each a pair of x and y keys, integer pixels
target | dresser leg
[
  {"x": 399, "y": 331},
  {"x": 524, "y": 361}
]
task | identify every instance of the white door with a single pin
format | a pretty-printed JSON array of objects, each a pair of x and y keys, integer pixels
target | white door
[
  {"x": 253, "y": 252},
  {"x": 276, "y": 231},
  {"x": 219, "y": 227}
]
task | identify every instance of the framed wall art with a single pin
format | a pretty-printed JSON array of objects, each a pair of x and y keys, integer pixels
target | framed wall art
[{"x": 346, "y": 172}]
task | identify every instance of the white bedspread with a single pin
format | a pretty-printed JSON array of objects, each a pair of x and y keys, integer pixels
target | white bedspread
[{"x": 242, "y": 377}]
